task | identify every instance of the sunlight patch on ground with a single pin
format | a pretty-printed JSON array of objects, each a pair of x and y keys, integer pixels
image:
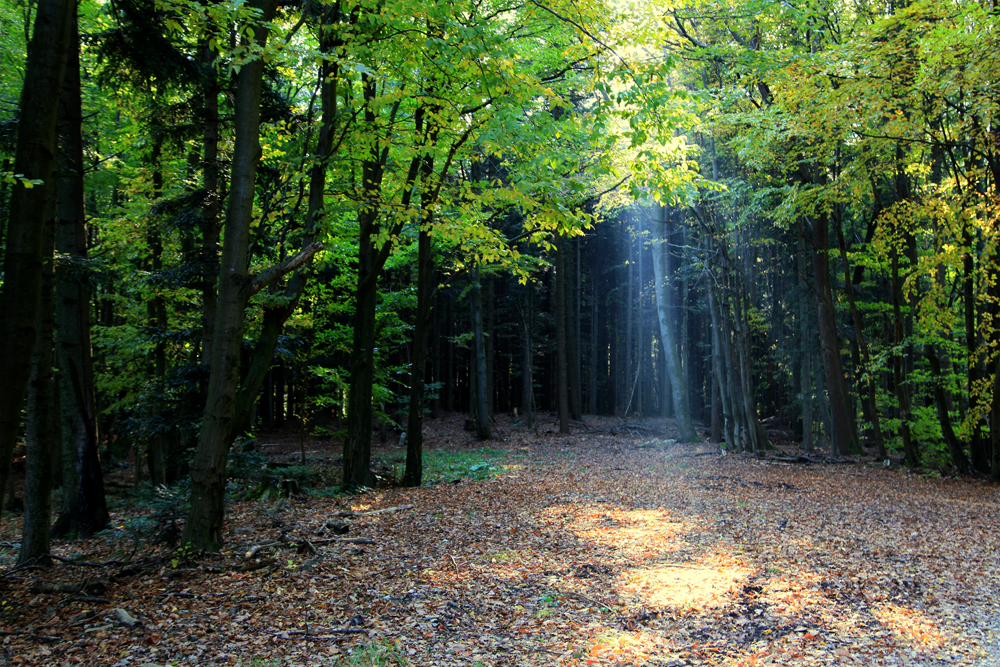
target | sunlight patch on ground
[
  {"x": 642, "y": 533},
  {"x": 700, "y": 586},
  {"x": 909, "y": 625}
]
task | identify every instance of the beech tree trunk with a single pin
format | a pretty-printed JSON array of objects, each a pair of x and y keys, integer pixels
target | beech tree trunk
[
  {"x": 527, "y": 381},
  {"x": 35, "y": 158},
  {"x": 203, "y": 528},
  {"x": 413, "y": 474},
  {"x": 84, "y": 509},
  {"x": 210, "y": 211},
  {"x": 572, "y": 294},
  {"x": 844, "y": 438},
  {"x": 42, "y": 435},
  {"x": 899, "y": 379},
  {"x": 562, "y": 361},
  {"x": 862, "y": 345},
  {"x": 479, "y": 359},
  {"x": 805, "y": 352}
]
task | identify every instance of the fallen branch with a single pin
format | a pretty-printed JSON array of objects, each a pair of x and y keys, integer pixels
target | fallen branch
[
  {"x": 96, "y": 585},
  {"x": 315, "y": 634},
  {"x": 349, "y": 513},
  {"x": 345, "y": 540},
  {"x": 127, "y": 619},
  {"x": 80, "y": 563},
  {"x": 596, "y": 603},
  {"x": 251, "y": 567}
]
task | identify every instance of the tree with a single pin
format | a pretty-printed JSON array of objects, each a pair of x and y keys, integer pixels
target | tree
[
  {"x": 678, "y": 379},
  {"x": 35, "y": 169},
  {"x": 203, "y": 527}
]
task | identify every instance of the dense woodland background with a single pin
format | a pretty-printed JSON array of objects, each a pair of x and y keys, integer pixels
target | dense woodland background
[{"x": 351, "y": 216}]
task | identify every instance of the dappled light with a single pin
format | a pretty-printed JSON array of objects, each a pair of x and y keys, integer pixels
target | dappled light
[{"x": 684, "y": 559}]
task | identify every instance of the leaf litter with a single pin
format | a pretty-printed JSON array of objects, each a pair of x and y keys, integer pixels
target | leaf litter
[{"x": 610, "y": 546}]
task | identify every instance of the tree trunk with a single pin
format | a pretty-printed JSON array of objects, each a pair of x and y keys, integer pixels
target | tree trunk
[
  {"x": 35, "y": 158},
  {"x": 721, "y": 360},
  {"x": 413, "y": 474},
  {"x": 42, "y": 435},
  {"x": 902, "y": 387},
  {"x": 490, "y": 337},
  {"x": 955, "y": 450},
  {"x": 210, "y": 211},
  {"x": 844, "y": 438},
  {"x": 203, "y": 528},
  {"x": 592, "y": 375},
  {"x": 527, "y": 381},
  {"x": 371, "y": 259},
  {"x": 571, "y": 292},
  {"x": 661, "y": 282},
  {"x": 479, "y": 360},
  {"x": 977, "y": 446},
  {"x": 84, "y": 509},
  {"x": 628, "y": 308},
  {"x": 562, "y": 356},
  {"x": 805, "y": 350},
  {"x": 862, "y": 344}
]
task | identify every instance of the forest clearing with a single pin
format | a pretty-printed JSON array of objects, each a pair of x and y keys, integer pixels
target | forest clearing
[
  {"x": 604, "y": 547},
  {"x": 499, "y": 332}
]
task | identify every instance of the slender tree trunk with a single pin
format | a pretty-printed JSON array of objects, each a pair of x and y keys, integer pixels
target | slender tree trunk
[
  {"x": 592, "y": 375},
  {"x": 210, "y": 210},
  {"x": 977, "y": 446},
  {"x": 628, "y": 310},
  {"x": 84, "y": 510},
  {"x": 527, "y": 381},
  {"x": 203, "y": 528},
  {"x": 844, "y": 438},
  {"x": 371, "y": 259},
  {"x": 955, "y": 450},
  {"x": 805, "y": 350},
  {"x": 35, "y": 158},
  {"x": 562, "y": 372},
  {"x": 721, "y": 362},
  {"x": 491, "y": 387},
  {"x": 479, "y": 359},
  {"x": 412, "y": 475},
  {"x": 661, "y": 282},
  {"x": 902, "y": 386},
  {"x": 449, "y": 376},
  {"x": 862, "y": 345},
  {"x": 571, "y": 292},
  {"x": 275, "y": 317}
]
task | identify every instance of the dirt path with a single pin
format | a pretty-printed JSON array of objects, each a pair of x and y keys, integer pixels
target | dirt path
[{"x": 589, "y": 549}]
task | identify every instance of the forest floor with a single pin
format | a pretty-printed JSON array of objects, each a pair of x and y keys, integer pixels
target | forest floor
[{"x": 610, "y": 546}]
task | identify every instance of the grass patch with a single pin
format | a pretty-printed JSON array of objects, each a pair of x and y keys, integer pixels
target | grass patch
[
  {"x": 376, "y": 654},
  {"x": 444, "y": 466}
]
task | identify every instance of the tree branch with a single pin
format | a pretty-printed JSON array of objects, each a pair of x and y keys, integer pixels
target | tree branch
[{"x": 269, "y": 275}]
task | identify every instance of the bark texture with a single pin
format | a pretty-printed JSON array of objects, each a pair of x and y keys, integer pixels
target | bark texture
[
  {"x": 35, "y": 158},
  {"x": 203, "y": 528}
]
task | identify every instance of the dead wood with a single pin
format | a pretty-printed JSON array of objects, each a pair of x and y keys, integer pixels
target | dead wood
[
  {"x": 91, "y": 585},
  {"x": 80, "y": 563},
  {"x": 315, "y": 634},
  {"x": 344, "y": 540},
  {"x": 349, "y": 513},
  {"x": 127, "y": 619},
  {"x": 260, "y": 565}
]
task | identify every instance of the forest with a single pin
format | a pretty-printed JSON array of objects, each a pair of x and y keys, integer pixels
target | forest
[{"x": 765, "y": 222}]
